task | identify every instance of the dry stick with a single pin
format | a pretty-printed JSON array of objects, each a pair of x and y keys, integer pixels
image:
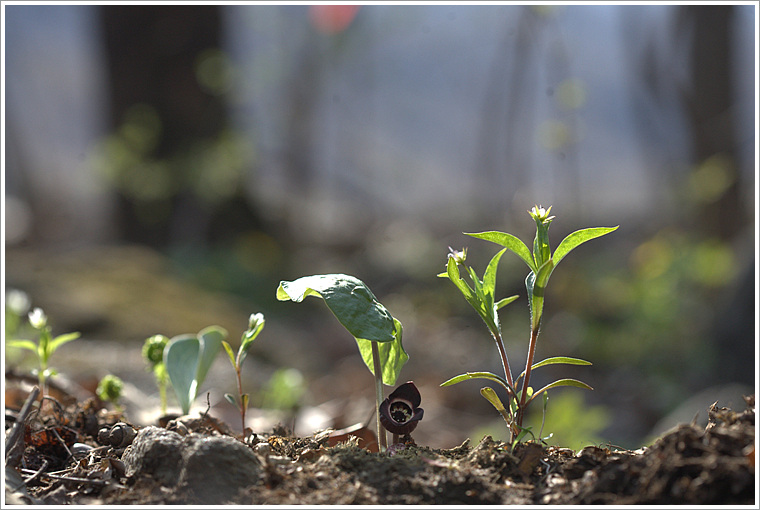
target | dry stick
[
  {"x": 382, "y": 442},
  {"x": 12, "y": 451},
  {"x": 93, "y": 481}
]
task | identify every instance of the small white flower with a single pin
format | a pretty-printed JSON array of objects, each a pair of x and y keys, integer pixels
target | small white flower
[{"x": 37, "y": 318}]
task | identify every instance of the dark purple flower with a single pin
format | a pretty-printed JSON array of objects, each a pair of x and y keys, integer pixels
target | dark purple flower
[{"x": 400, "y": 412}]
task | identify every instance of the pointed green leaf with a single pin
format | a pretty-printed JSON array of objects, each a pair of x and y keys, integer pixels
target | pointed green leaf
[
  {"x": 504, "y": 302},
  {"x": 489, "y": 278},
  {"x": 349, "y": 299},
  {"x": 181, "y": 361},
  {"x": 508, "y": 241},
  {"x": 230, "y": 399},
  {"x": 480, "y": 375},
  {"x": 557, "y": 360},
  {"x": 392, "y": 356},
  {"x": 244, "y": 399},
  {"x": 62, "y": 339},
  {"x": 230, "y": 353},
  {"x": 561, "y": 382},
  {"x": 579, "y": 237},
  {"x": 23, "y": 344}
]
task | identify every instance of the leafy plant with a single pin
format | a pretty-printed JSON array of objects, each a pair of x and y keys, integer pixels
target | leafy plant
[
  {"x": 187, "y": 359},
  {"x": 481, "y": 296},
  {"x": 110, "y": 389},
  {"x": 377, "y": 333},
  {"x": 153, "y": 353},
  {"x": 45, "y": 347},
  {"x": 255, "y": 325}
]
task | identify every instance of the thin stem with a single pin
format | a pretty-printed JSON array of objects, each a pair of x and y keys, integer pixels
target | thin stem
[
  {"x": 528, "y": 365},
  {"x": 504, "y": 359},
  {"x": 242, "y": 404},
  {"x": 381, "y": 438}
]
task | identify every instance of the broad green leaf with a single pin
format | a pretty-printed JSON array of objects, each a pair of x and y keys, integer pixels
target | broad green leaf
[
  {"x": 508, "y": 241},
  {"x": 561, "y": 382},
  {"x": 62, "y": 339},
  {"x": 392, "y": 356},
  {"x": 480, "y": 375},
  {"x": 357, "y": 309},
  {"x": 230, "y": 353},
  {"x": 211, "y": 339},
  {"x": 23, "y": 344},
  {"x": 579, "y": 237},
  {"x": 181, "y": 361},
  {"x": 349, "y": 299}
]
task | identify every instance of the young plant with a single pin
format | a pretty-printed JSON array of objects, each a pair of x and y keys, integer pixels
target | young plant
[
  {"x": 187, "y": 359},
  {"x": 480, "y": 295},
  {"x": 255, "y": 325},
  {"x": 376, "y": 331},
  {"x": 153, "y": 353},
  {"x": 45, "y": 347},
  {"x": 110, "y": 389}
]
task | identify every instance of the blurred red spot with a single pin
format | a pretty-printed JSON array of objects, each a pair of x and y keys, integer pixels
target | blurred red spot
[{"x": 332, "y": 19}]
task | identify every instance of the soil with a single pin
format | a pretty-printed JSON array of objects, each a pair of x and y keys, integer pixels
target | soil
[{"x": 79, "y": 452}]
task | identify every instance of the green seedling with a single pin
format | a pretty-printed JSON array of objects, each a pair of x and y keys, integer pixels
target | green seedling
[
  {"x": 110, "y": 389},
  {"x": 153, "y": 354},
  {"x": 45, "y": 347},
  {"x": 481, "y": 296},
  {"x": 187, "y": 359},
  {"x": 376, "y": 331},
  {"x": 255, "y": 325}
]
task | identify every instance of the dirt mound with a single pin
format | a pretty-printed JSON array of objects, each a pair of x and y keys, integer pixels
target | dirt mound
[{"x": 82, "y": 454}]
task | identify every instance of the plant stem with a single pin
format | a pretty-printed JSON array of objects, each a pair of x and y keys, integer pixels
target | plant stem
[
  {"x": 504, "y": 359},
  {"x": 381, "y": 439},
  {"x": 528, "y": 365},
  {"x": 242, "y": 404}
]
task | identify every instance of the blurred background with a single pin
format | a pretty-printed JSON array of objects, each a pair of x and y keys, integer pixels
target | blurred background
[{"x": 167, "y": 166}]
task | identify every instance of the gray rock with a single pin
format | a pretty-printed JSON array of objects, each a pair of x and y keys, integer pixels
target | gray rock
[
  {"x": 156, "y": 452},
  {"x": 210, "y": 469},
  {"x": 216, "y": 467}
]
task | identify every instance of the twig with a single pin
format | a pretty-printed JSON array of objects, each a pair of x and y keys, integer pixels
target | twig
[
  {"x": 12, "y": 451},
  {"x": 77, "y": 479},
  {"x": 35, "y": 475}
]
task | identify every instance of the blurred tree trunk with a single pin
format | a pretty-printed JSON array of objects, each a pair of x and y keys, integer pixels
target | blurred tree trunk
[
  {"x": 152, "y": 55},
  {"x": 710, "y": 103}
]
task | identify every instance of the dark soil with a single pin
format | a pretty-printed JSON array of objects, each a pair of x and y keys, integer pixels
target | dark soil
[{"x": 56, "y": 457}]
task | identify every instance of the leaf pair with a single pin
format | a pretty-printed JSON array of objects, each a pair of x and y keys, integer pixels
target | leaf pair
[
  {"x": 188, "y": 358},
  {"x": 541, "y": 262}
]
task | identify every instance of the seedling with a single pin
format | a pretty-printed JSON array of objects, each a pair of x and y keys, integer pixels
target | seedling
[
  {"x": 45, "y": 347},
  {"x": 153, "y": 353},
  {"x": 377, "y": 333},
  {"x": 255, "y": 325},
  {"x": 110, "y": 389},
  {"x": 480, "y": 295},
  {"x": 188, "y": 358}
]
